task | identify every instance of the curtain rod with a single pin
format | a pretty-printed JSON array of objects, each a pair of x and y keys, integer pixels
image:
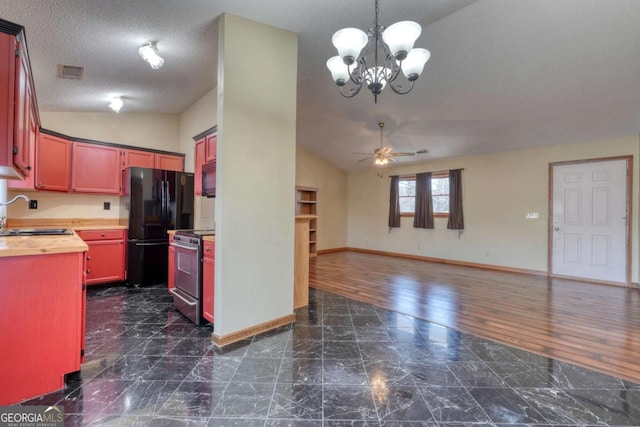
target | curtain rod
[{"x": 414, "y": 174}]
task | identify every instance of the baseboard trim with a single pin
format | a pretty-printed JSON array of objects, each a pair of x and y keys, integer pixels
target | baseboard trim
[
  {"x": 332, "y": 250},
  {"x": 452, "y": 262},
  {"x": 221, "y": 341}
]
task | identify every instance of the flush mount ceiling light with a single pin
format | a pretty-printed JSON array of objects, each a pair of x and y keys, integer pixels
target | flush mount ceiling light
[
  {"x": 116, "y": 103},
  {"x": 376, "y": 58},
  {"x": 149, "y": 52}
]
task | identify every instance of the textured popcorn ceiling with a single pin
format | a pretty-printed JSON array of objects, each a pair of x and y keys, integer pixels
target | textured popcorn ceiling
[{"x": 504, "y": 74}]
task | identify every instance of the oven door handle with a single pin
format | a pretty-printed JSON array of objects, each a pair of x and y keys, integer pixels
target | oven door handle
[
  {"x": 152, "y": 244},
  {"x": 189, "y": 248},
  {"x": 176, "y": 293}
]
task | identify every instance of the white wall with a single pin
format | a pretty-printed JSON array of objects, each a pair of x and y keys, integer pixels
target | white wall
[
  {"x": 158, "y": 131},
  {"x": 255, "y": 189},
  {"x": 331, "y": 182},
  {"x": 198, "y": 117},
  {"x": 498, "y": 191}
]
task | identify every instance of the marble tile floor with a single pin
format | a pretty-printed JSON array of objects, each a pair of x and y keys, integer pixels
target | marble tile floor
[{"x": 343, "y": 363}]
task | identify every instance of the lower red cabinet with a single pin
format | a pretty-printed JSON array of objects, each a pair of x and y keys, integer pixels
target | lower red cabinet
[
  {"x": 208, "y": 281},
  {"x": 106, "y": 255}
]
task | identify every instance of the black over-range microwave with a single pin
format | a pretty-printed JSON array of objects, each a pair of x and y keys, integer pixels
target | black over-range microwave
[{"x": 209, "y": 179}]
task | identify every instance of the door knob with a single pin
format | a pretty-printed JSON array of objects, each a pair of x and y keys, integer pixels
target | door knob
[{"x": 556, "y": 228}]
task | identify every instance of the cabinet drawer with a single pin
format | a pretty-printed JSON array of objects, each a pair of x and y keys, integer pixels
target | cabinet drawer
[
  {"x": 209, "y": 249},
  {"x": 101, "y": 234}
]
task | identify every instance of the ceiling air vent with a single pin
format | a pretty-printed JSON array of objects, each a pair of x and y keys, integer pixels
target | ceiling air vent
[{"x": 70, "y": 72}]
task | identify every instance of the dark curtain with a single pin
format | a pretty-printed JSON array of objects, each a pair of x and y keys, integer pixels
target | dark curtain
[
  {"x": 456, "y": 218},
  {"x": 423, "y": 216},
  {"x": 394, "y": 203}
]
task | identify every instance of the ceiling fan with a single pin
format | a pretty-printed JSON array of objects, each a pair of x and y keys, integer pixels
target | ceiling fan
[{"x": 383, "y": 155}]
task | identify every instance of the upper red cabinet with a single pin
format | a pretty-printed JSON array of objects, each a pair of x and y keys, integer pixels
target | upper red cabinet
[
  {"x": 17, "y": 106},
  {"x": 169, "y": 162},
  {"x": 53, "y": 157},
  {"x": 199, "y": 161},
  {"x": 211, "y": 147},
  {"x": 137, "y": 158},
  {"x": 95, "y": 169}
]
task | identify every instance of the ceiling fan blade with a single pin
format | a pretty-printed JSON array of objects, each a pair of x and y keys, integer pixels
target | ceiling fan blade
[
  {"x": 365, "y": 159},
  {"x": 362, "y": 154},
  {"x": 403, "y": 154}
]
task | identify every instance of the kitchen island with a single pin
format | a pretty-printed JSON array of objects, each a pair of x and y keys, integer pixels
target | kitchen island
[{"x": 41, "y": 313}]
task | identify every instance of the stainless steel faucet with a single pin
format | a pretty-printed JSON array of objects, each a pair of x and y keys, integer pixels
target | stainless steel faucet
[{"x": 3, "y": 217}]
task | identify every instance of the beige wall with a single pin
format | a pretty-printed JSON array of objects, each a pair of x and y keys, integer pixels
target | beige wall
[
  {"x": 198, "y": 117},
  {"x": 331, "y": 182},
  {"x": 498, "y": 191},
  {"x": 255, "y": 174},
  {"x": 159, "y": 131}
]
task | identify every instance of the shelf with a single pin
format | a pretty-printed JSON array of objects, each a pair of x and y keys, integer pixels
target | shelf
[{"x": 306, "y": 204}]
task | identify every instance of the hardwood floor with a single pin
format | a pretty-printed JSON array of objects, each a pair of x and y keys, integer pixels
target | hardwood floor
[{"x": 594, "y": 326}]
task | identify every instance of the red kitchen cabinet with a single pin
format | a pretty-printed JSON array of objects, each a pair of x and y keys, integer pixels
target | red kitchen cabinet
[
  {"x": 208, "y": 280},
  {"x": 53, "y": 160},
  {"x": 105, "y": 260},
  {"x": 171, "y": 283},
  {"x": 29, "y": 182},
  {"x": 135, "y": 158},
  {"x": 41, "y": 323},
  {"x": 169, "y": 162},
  {"x": 211, "y": 145},
  {"x": 199, "y": 161},
  {"x": 96, "y": 169},
  {"x": 17, "y": 108}
]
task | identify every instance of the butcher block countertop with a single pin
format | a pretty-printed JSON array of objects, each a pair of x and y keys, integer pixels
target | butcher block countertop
[
  {"x": 209, "y": 238},
  {"x": 40, "y": 245}
]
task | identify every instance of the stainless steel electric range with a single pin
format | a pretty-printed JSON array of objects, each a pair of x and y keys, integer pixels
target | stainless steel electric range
[{"x": 187, "y": 294}]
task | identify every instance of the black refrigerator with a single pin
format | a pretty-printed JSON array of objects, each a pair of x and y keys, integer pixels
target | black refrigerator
[{"x": 158, "y": 201}]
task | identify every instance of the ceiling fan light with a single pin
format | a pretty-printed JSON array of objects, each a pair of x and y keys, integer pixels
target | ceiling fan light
[
  {"x": 339, "y": 71},
  {"x": 400, "y": 38},
  {"x": 349, "y": 42},
  {"x": 116, "y": 103},
  {"x": 149, "y": 52},
  {"x": 414, "y": 64}
]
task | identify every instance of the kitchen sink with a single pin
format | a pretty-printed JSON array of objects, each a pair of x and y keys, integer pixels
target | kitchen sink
[{"x": 35, "y": 232}]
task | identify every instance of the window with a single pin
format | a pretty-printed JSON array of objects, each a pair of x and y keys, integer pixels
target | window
[{"x": 439, "y": 190}]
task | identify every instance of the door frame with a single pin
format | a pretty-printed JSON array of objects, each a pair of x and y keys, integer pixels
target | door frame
[{"x": 629, "y": 160}]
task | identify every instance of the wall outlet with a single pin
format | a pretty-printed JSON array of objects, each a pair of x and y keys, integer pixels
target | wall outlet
[
  {"x": 532, "y": 215},
  {"x": 33, "y": 204},
  {"x": 107, "y": 206}
]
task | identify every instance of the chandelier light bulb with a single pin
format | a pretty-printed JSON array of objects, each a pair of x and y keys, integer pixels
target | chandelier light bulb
[
  {"x": 413, "y": 65},
  {"x": 349, "y": 42},
  {"x": 400, "y": 38}
]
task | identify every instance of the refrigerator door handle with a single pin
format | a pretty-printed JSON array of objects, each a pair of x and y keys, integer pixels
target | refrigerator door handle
[{"x": 152, "y": 244}]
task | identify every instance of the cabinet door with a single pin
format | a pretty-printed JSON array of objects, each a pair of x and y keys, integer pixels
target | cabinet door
[
  {"x": 199, "y": 161},
  {"x": 96, "y": 169},
  {"x": 105, "y": 261},
  {"x": 169, "y": 162},
  {"x": 171, "y": 283},
  {"x": 29, "y": 182},
  {"x": 211, "y": 147},
  {"x": 22, "y": 113},
  {"x": 142, "y": 159},
  {"x": 208, "y": 282},
  {"x": 53, "y": 160}
]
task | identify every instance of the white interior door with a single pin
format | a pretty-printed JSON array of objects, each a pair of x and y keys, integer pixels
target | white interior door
[{"x": 589, "y": 226}]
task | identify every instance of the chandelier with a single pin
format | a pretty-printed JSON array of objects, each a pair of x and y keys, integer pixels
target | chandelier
[{"x": 365, "y": 59}]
